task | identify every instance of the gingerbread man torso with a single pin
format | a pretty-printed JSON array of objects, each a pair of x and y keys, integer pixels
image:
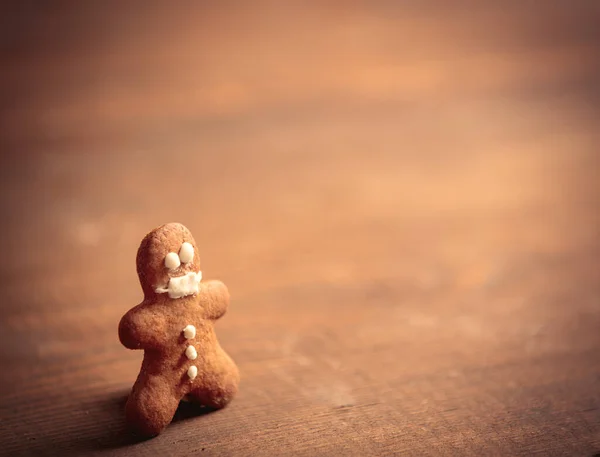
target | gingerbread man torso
[{"x": 174, "y": 327}]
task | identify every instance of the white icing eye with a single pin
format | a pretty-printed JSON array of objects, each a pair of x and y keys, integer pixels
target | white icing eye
[
  {"x": 192, "y": 372},
  {"x": 186, "y": 253},
  {"x": 172, "y": 261}
]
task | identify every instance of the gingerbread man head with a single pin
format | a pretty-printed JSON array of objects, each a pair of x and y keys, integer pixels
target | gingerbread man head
[
  {"x": 168, "y": 262},
  {"x": 174, "y": 327}
]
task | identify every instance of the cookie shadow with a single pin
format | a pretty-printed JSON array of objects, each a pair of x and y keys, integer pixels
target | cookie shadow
[
  {"x": 87, "y": 425},
  {"x": 118, "y": 435},
  {"x": 97, "y": 425},
  {"x": 122, "y": 435},
  {"x": 189, "y": 410}
]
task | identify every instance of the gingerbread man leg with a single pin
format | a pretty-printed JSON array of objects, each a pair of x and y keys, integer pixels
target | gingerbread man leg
[
  {"x": 151, "y": 405},
  {"x": 220, "y": 383}
]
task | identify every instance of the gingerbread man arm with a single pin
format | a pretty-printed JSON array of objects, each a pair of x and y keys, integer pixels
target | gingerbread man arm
[
  {"x": 214, "y": 299},
  {"x": 141, "y": 328}
]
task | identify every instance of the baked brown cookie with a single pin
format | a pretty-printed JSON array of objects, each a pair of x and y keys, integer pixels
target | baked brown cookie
[{"x": 174, "y": 327}]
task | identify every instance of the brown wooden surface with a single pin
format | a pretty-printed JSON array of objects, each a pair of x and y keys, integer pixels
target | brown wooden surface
[{"x": 401, "y": 196}]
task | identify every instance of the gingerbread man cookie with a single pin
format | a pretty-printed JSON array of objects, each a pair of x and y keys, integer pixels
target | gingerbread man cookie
[{"x": 174, "y": 327}]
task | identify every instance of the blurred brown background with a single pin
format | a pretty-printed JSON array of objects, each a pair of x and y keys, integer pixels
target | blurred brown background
[{"x": 401, "y": 196}]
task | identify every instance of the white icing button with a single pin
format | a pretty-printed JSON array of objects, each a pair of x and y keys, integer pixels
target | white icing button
[
  {"x": 192, "y": 372},
  {"x": 191, "y": 353},
  {"x": 186, "y": 253},
  {"x": 189, "y": 332},
  {"x": 172, "y": 261}
]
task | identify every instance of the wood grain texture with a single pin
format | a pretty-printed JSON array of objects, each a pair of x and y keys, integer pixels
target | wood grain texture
[{"x": 402, "y": 198}]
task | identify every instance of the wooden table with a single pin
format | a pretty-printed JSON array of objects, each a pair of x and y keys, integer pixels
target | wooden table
[{"x": 401, "y": 196}]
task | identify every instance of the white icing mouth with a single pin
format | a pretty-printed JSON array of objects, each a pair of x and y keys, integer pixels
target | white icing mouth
[{"x": 181, "y": 286}]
